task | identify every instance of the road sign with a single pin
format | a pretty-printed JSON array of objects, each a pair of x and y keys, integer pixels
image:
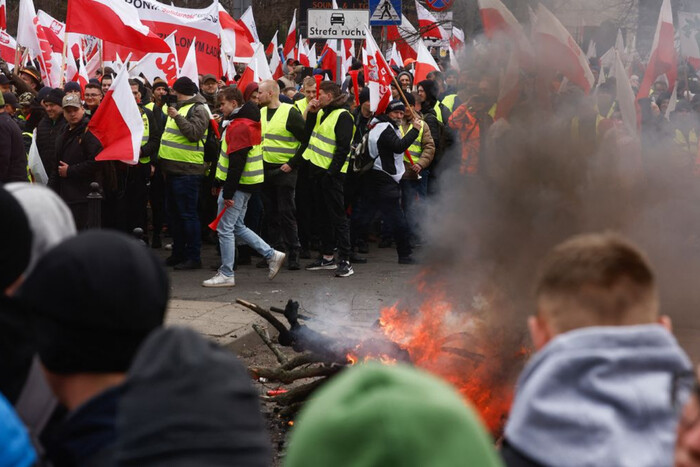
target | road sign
[
  {"x": 384, "y": 12},
  {"x": 337, "y": 24}
]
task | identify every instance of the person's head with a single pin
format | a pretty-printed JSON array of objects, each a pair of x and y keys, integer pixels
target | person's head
[
  {"x": 488, "y": 87},
  {"x": 328, "y": 92},
  {"x": 439, "y": 79},
  {"x": 11, "y": 103},
  {"x": 160, "y": 89},
  {"x": 451, "y": 78},
  {"x": 72, "y": 87},
  {"x": 53, "y": 104},
  {"x": 25, "y": 103},
  {"x": 135, "y": 90},
  {"x": 289, "y": 91},
  {"x": 427, "y": 92},
  {"x": 93, "y": 95},
  {"x": 73, "y": 110},
  {"x": 209, "y": 84},
  {"x": 31, "y": 77},
  {"x": 405, "y": 80},
  {"x": 411, "y": 99},
  {"x": 106, "y": 82},
  {"x": 394, "y": 91},
  {"x": 395, "y": 111},
  {"x": 15, "y": 243},
  {"x": 250, "y": 93},
  {"x": 393, "y": 415},
  {"x": 309, "y": 88},
  {"x": 593, "y": 280},
  {"x": 5, "y": 84},
  {"x": 364, "y": 103},
  {"x": 87, "y": 330},
  {"x": 184, "y": 88},
  {"x": 230, "y": 98},
  {"x": 268, "y": 93},
  {"x": 660, "y": 86}
]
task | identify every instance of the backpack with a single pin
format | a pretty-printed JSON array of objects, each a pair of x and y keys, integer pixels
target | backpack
[
  {"x": 360, "y": 159},
  {"x": 212, "y": 144}
]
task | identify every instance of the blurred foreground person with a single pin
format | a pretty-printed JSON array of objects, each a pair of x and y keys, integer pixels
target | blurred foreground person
[
  {"x": 380, "y": 415},
  {"x": 598, "y": 390},
  {"x": 88, "y": 330},
  {"x": 688, "y": 440}
]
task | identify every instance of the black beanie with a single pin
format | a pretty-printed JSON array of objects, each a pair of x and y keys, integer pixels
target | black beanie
[
  {"x": 15, "y": 240},
  {"x": 431, "y": 90},
  {"x": 55, "y": 96},
  {"x": 364, "y": 95},
  {"x": 185, "y": 86},
  {"x": 94, "y": 298}
]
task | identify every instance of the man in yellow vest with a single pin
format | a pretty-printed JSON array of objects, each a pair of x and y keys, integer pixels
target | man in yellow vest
[
  {"x": 181, "y": 157},
  {"x": 282, "y": 133},
  {"x": 308, "y": 87},
  {"x": 240, "y": 171},
  {"x": 156, "y": 189},
  {"x": 331, "y": 128}
]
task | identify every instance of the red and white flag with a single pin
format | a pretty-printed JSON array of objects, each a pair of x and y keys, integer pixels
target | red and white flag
[
  {"x": 248, "y": 22},
  {"x": 114, "y": 21},
  {"x": 500, "y": 24},
  {"x": 30, "y": 34},
  {"x": 156, "y": 65},
  {"x": 663, "y": 58},
  {"x": 396, "y": 34},
  {"x": 329, "y": 58},
  {"x": 234, "y": 41},
  {"x": 26, "y": 29},
  {"x": 54, "y": 30},
  {"x": 558, "y": 51},
  {"x": 3, "y": 15},
  {"x": 189, "y": 66},
  {"x": 428, "y": 25},
  {"x": 378, "y": 75},
  {"x": 291, "y": 41},
  {"x": 257, "y": 70},
  {"x": 272, "y": 47},
  {"x": 8, "y": 45},
  {"x": 625, "y": 96},
  {"x": 118, "y": 123},
  {"x": 425, "y": 63},
  {"x": 276, "y": 65},
  {"x": 457, "y": 39},
  {"x": 302, "y": 53},
  {"x": 395, "y": 57}
]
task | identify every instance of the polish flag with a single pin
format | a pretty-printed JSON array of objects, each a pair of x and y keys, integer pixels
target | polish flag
[
  {"x": 313, "y": 59},
  {"x": 378, "y": 75},
  {"x": 510, "y": 88},
  {"x": 3, "y": 15},
  {"x": 425, "y": 63},
  {"x": 82, "y": 77},
  {"x": 329, "y": 58},
  {"x": 154, "y": 65},
  {"x": 248, "y": 22},
  {"x": 118, "y": 124},
  {"x": 273, "y": 45},
  {"x": 189, "y": 66},
  {"x": 31, "y": 35},
  {"x": 291, "y": 41},
  {"x": 499, "y": 23},
  {"x": 257, "y": 70},
  {"x": 114, "y": 21},
  {"x": 26, "y": 29},
  {"x": 457, "y": 39},
  {"x": 234, "y": 41},
  {"x": 8, "y": 45},
  {"x": 557, "y": 50},
  {"x": 395, "y": 34},
  {"x": 93, "y": 63},
  {"x": 428, "y": 25},
  {"x": 663, "y": 58},
  {"x": 302, "y": 53},
  {"x": 395, "y": 57},
  {"x": 276, "y": 65}
]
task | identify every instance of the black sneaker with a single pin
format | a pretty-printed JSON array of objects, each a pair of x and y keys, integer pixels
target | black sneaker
[
  {"x": 321, "y": 263},
  {"x": 293, "y": 260},
  {"x": 362, "y": 247},
  {"x": 344, "y": 269},
  {"x": 173, "y": 260},
  {"x": 407, "y": 260},
  {"x": 188, "y": 265}
]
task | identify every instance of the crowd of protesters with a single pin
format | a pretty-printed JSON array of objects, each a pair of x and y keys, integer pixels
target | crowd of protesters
[{"x": 89, "y": 376}]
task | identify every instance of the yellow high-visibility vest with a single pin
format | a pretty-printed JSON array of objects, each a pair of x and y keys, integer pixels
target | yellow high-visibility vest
[
  {"x": 253, "y": 171},
  {"x": 321, "y": 145},
  {"x": 175, "y": 147},
  {"x": 416, "y": 147},
  {"x": 278, "y": 144}
]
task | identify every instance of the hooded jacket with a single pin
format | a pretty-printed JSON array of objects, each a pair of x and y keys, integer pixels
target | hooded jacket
[
  {"x": 189, "y": 402},
  {"x": 597, "y": 396}
]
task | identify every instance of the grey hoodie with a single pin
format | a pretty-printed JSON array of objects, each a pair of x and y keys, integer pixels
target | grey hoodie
[{"x": 599, "y": 396}]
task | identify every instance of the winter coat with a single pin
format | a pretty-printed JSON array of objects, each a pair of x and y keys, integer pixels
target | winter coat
[
  {"x": 47, "y": 134},
  {"x": 386, "y": 146},
  {"x": 13, "y": 159},
  {"x": 427, "y": 154}
]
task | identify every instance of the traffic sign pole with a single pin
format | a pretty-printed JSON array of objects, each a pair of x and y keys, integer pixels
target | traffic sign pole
[{"x": 339, "y": 67}]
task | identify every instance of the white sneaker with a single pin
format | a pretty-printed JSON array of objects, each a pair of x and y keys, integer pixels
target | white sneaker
[
  {"x": 275, "y": 263},
  {"x": 168, "y": 246},
  {"x": 219, "y": 280}
]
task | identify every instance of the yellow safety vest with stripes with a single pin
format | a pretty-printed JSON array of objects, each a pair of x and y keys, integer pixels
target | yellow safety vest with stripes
[
  {"x": 449, "y": 101},
  {"x": 687, "y": 143},
  {"x": 253, "y": 171},
  {"x": 175, "y": 147},
  {"x": 438, "y": 112},
  {"x": 321, "y": 145},
  {"x": 144, "y": 139},
  {"x": 278, "y": 144},
  {"x": 301, "y": 104},
  {"x": 416, "y": 147}
]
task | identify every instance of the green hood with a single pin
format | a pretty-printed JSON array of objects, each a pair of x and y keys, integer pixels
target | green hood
[{"x": 377, "y": 415}]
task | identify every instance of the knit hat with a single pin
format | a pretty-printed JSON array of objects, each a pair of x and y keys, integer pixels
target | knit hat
[
  {"x": 373, "y": 414},
  {"x": 9, "y": 99},
  {"x": 94, "y": 299},
  {"x": 395, "y": 105},
  {"x": 15, "y": 240},
  {"x": 72, "y": 86},
  {"x": 43, "y": 93},
  {"x": 364, "y": 95},
  {"x": 185, "y": 86},
  {"x": 55, "y": 96},
  {"x": 160, "y": 84},
  {"x": 249, "y": 90}
]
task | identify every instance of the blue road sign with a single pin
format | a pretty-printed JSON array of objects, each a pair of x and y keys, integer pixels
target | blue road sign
[{"x": 384, "y": 12}]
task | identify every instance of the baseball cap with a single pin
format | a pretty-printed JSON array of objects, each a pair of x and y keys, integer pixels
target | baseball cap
[
  {"x": 208, "y": 77},
  {"x": 71, "y": 100}
]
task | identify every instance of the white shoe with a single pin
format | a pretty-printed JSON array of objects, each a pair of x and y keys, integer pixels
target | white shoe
[
  {"x": 275, "y": 263},
  {"x": 168, "y": 246},
  {"x": 219, "y": 280}
]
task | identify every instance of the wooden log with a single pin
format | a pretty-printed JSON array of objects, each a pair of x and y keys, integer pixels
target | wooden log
[
  {"x": 303, "y": 359},
  {"x": 298, "y": 394},
  {"x": 281, "y": 328},
  {"x": 281, "y": 358}
]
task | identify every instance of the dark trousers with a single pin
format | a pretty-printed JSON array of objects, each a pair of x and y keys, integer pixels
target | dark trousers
[
  {"x": 182, "y": 194},
  {"x": 80, "y": 214},
  {"x": 156, "y": 196},
  {"x": 383, "y": 195},
  {"x": 331, "y": 219},
  {"x": 305, "y": 207},
  {"x": 280, "y": 214},
  {"x": 136, "y": 197}
]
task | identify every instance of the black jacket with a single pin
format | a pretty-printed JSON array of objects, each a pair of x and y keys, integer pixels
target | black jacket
[
  {"x": 76, "y": 147},
  {"x": 16, "y": 347},
  {"x": 389, "y": 144},
  {"x": 238, "y": 159},
  {"x": 47, "y": 133},
  {"x": 150, "y": 149},
  {"x": 297, "y": 127},
  {"x": 13, "y": 159}
]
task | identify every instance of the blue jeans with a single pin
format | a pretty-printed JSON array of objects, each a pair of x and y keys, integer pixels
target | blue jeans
[
  {"x": 182, "y": 194},
  {"x": 231, "y": 226}
]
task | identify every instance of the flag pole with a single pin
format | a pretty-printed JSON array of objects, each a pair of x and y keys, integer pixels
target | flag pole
[
  {"x": 63, "y": 58},
  {"x": 17, "y": 54}
]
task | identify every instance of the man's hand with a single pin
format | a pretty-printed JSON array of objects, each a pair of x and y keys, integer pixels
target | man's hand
[
  {"x": 314, "y": 105},
  {"x": 172, "y": 112},
  {"x": 228, "y": 203},
  {"x": 286, "y": 168},
  {"x": 417, "y": 123},
  {"x": 416, "y": 168},
  {"x": 153, "y": 170},
  {"x": 62, "y": 169}
]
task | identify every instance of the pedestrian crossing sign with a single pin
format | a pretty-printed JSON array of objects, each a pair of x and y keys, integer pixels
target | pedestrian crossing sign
[{"x": 384, "y": 12}]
